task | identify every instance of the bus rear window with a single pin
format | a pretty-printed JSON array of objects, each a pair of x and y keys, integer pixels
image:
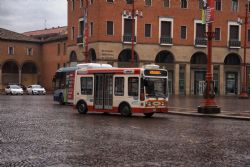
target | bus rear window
[
  {"x": 133, "y": 86},
  {"x": 86, "y": 85}
]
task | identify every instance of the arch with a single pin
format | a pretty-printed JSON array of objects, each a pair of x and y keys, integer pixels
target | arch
[
  {"x": 10, "y": 72},
  {"x": 125, "y": 56},
  {"x": 10, "y": 67},
  {"x": 29, "y": 68},
  {"x": 29, "y": 73},
  {"x": 198, "y": 58},
  {"x": 92, "y": 55},
  {"x": 232, "y": 59},
  {"x": 73, "y": 57},
  {"x": 164, "y": 57}
]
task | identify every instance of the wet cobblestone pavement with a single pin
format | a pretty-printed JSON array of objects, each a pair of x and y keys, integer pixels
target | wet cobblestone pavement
[
  {"x": 231, "y": 106},
  {"x": 35, "y": 131}
]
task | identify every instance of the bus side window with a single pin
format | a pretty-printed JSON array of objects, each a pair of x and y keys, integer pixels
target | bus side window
[
  {"x": 86, "y": 85},
  {"x": 133, "y": 86},
  {"x": 119, "y": 86}
]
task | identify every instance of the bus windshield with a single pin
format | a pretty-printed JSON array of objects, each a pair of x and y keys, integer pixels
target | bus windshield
[
  {"x": 59, "y": 80},
  {"x": 156, "y": 87}
]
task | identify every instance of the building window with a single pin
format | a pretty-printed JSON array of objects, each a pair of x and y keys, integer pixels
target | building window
[
  {"x": 58, "y": 49},
  {"x": 73, "y": 5},
  {"x": 86, "y": 85},
  {"x": 11, "y": 50},
  {"x": 183, "y": 3},
  {"x": 127, "y": 30},
  {"x": 183, "y": 32},
  {"x": 110, "y": 1},
  {"x": 81, "y": 3},
  {"x": 110, "y": 28},
  {"x": 147, "y": 30},
  {"x": 58, "y": 65},
  {"x": 64, "y": 64},
  {"x": 29, "y": 51},
  {"x": 182, "y": 79},
  {"x": 200, "y": 34},
  {"x": 81, "y": 27},
  {"x": 217, "y": 34},
  {"x": 119, "y": 86},
  {"x": 234, "y": 32},
  {"x": 148, "y": 2},
  {"x": 234, "y": 5},
  {"x": 248, "y": 6},
  {"x": 133, "y": 86},
  {"x": 91, "y": 2},
  {"x": 129, "y": 1},
  {"x": 91, "y": 28},
  {"x": 72, "y": 33},
  {"x": 218, "y": 5},
  {"x": 248, "y": 35},
  {"x": 201, "y": 4},
  {"x": 234, "y": 35},
  {"x": 166, "y": 31},
  {"x": 166, "y": 3}
]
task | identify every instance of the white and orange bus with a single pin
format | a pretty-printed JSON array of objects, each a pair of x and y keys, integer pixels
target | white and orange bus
[{"x": 121, "y": 90}]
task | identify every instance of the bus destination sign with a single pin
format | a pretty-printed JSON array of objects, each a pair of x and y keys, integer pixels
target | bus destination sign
[{"x": 155, "y": 73}]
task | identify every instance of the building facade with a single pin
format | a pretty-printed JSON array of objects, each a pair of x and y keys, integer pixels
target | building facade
[
  {"x": 32, "y": 57},
  {"x": 167, "y": 32}
]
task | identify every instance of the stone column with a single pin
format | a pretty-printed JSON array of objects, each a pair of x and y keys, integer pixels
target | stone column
[
  {"x": 222, "y": 80},
  {"x": 20, "y": 76},
  {"x": 187, "y": 79},
  {"x": 176, "y": 78}
]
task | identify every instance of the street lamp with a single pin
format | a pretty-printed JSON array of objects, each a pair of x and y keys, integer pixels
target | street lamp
[
  {"x": 243, "y": 94},
  {"x": 133, "y": 14},
  {"x": 208, "y": 105}
]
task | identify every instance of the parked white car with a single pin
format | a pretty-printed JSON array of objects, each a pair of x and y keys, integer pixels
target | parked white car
[
  {"x": 36, "y": 90},
  {"x": 13, "y": 90}
]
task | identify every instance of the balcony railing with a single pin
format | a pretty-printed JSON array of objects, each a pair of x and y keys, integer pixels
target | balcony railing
[
  {"x": 128, "y": 38},
  {"x": 80, "y": 39},
  {"x": 200, "y": 41},
  {"x": 234, "y": 43},
  {"x": 166, "y": 40}
]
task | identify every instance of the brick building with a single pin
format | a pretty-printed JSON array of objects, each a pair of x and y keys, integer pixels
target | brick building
[
  {"x": 167, "y": 32},
  {"x": 32, "y": 57}
]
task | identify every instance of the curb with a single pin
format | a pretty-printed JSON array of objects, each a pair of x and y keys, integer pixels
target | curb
[{"x": 222, "y": 116}]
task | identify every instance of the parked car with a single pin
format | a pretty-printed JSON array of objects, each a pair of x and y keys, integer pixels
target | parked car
[
  {"x": 13, "y": 90},
  {"x": 36, "y": 90},
  {"x": 20, "y": 85}
]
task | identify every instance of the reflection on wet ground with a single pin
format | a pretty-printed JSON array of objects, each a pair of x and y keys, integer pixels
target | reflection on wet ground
[{"x": 230, "y": 105}]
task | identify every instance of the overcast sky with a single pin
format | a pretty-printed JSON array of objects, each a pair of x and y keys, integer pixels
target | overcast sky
[{"x": 28, "y": 15}]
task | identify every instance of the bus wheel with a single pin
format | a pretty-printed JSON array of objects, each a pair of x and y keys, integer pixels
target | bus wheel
[
  {"x": 125, "y": 110},
  {"x": 149, "y": 114},
  {"x": 82, "y": 107}
]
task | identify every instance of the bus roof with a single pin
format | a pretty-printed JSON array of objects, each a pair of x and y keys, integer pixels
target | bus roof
[
  {"x": 67, "y": 69},
  {"x": 85, "y": 65}
]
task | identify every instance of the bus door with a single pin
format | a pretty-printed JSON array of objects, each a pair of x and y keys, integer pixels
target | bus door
[{"x": 103, "y": 98}]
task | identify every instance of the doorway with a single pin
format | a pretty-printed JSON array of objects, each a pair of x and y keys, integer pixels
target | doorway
[
  {"x": 231, "y": 83},
  {"x": 199, "y": 80},
  {"x": 103, "y": 91}
]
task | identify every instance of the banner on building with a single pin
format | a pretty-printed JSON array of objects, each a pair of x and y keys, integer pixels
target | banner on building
[
  {"x": 207, "y": 13},
  {"x": 210, "y": 11}
]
